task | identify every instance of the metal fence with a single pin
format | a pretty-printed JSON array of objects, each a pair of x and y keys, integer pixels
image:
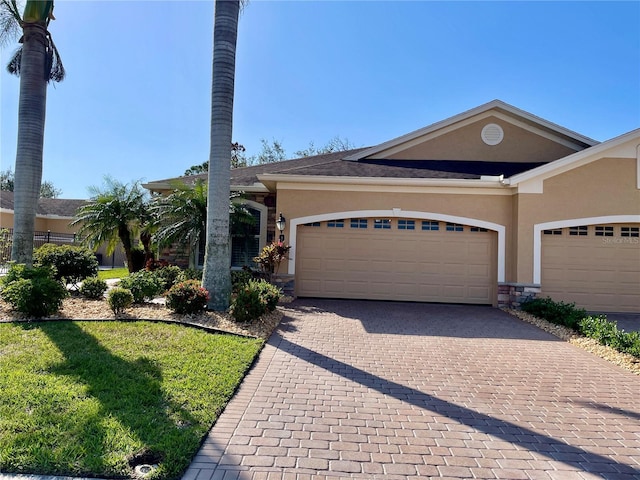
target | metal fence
[{"x": 39, "y": 239}]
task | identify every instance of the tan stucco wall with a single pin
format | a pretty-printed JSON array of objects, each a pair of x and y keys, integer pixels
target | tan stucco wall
[
  {"x": 6, "y": 220},
  {"x": 490, "y": 208},
  {"x": 43, "y": 224},
  {"x": 518, "y": 145},
  {"x": 602, "y": 188}
]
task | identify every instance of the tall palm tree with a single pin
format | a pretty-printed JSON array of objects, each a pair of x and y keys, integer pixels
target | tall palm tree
[
  {"x": 216, "y": 278},
  {"x": 36, "y": 62},
  {"x": 113, "y": 215}
]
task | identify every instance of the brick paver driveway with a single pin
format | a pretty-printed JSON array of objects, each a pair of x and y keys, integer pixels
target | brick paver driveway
[{"x": 390, "y": 390}]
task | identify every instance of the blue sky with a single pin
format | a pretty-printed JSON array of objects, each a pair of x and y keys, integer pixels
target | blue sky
[{"x": 136, "y": 101}]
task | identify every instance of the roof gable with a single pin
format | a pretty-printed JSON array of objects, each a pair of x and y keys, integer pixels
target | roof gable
[
  {"x": 526, "y": 138},
  {"x": 623, "y": 146}
]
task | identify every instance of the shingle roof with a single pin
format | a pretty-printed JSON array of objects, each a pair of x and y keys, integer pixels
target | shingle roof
[
  {"x": 334, "y": 165},
  {"x": 58, "y": 207}
]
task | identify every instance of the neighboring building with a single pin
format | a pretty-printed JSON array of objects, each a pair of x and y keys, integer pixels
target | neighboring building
[
  {"x": 488, "y": 207},
  {"x": 52, "y": 224}
]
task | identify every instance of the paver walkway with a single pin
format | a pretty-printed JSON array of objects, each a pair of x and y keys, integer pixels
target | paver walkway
[{"x": 360, "y": 389}]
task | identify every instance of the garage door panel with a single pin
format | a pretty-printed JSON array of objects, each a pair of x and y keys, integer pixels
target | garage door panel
[
  {"x": 393, "y": 264},
  {"x": 597, "y": 273}
]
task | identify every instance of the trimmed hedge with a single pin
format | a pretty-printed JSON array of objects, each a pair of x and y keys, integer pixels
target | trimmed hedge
[
  {"x": 72, "y": 263},
  {"x": 254, "y": 299},
  {"x": 596, "y": 327},
  {"x": 187, "y": 297},
  {"x": 32, "y": 291}
]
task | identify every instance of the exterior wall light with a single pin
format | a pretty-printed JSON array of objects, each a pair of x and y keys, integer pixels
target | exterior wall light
[{"x": 281, "y": 224}]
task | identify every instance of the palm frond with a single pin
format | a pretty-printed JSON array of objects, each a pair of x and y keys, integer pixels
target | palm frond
[
  {"x": 10, "y": 22},
  {"x": 13, "y": 67},
  {"x": 54, "y": 69}
]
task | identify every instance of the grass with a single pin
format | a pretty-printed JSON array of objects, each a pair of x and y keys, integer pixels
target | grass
[
  {"x": 113, "y": 273},
  {"x": 89, "y": 398}
]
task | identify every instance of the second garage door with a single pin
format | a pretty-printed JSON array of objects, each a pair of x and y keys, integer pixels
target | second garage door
[
  {"x": 595, "y": 266},
  {"x": 396, "y": 259}
]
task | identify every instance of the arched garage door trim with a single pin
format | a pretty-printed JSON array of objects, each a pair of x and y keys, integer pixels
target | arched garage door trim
[
  {"x": 538, "y": 228},
  {"x": 398, "y": 213}
]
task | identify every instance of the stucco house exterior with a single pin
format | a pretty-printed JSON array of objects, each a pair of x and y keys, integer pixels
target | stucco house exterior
[
  {"x": 490, "y": 206},
  {"x": 52, "y": 225}
]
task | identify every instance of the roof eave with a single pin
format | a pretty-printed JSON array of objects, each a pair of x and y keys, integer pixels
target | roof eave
[
  {"x": 564, "y": 163},
  {"x": 271, "y": 180}
]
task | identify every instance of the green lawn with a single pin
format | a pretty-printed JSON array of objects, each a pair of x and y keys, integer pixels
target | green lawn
[
  {"x": 85, "y": 398},
  {"x": 113, "y": 273}
]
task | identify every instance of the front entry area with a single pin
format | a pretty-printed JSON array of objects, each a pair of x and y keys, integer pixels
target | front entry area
[{"x": 397, "y": 259}]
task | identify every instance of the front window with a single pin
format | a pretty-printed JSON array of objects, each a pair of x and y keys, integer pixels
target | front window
[{"x": 245, "y": 242}]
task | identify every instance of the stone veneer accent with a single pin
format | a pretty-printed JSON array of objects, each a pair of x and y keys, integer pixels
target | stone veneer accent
[
  {"x": 513, "y": 295},
  {"x": 286, "y": 282}
]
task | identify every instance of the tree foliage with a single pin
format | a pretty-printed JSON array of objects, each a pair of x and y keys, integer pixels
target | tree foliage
[
  {"x": 238, "y": 159},
  {"x": 336, "y": 144},
  {"x": 116, "y": 212},
  {"x": 47, "y": 188},
  {"x": 274, "y": 151}
]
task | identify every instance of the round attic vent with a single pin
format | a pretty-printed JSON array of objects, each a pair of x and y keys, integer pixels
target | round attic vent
[{"x": 492, "y": 134}]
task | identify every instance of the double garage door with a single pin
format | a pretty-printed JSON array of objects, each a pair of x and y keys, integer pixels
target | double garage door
[
  {"x": 595, "y": 266},
  {"x": 396, "y": 259}
]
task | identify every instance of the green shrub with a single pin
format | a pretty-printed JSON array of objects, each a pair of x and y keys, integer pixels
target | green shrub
[
  {"x": 190, "y": 274},
  {"x": 239, "y": 278},
  {"x": 72, "y": 263},
  {"x": 555, "y": 312},
  {"x": 168, "y": 275},
  {"x": 187, "y": 297},
  {"x": 33, "y": 291},
  {"x": 119, "y": 299},
  {"x": 143, "y": 285},
  {"x": 607, "y": 333},
  {"x": 269, "y": 293},
  {"x": 253, "y": 300},
  {"x": 247, "y": 304},
  {"x": 93, "y": 288}
]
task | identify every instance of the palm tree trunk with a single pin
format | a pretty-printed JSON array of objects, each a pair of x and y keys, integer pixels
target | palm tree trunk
[
  {"x": 31, "y": 119},
  {"x": 216, "y": 277}
]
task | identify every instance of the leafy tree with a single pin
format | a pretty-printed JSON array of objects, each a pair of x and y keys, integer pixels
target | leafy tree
[
  {"x": 271, "y": 152},
  {"x": 336, "y": 144},
  {"x": 216, "y": 277},
  {"x": 47, "y": 188},
  {"x": 237, "y": 160},
  {"x": 36, "y": 62},
  {"x": 197, "y": 169},
  {"x": 115, "y": 213}
]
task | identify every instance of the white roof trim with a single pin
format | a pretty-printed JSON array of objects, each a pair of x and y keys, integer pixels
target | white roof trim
[
  {"x": 466, "y": 115},
  {"x": 576, "y": 159},
  {"x": 492, "y": 182}
]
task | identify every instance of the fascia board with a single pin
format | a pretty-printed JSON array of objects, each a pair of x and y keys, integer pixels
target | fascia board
[
  {"x": 579, "y": 158},
  {"x": 270, "y": 178}
]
